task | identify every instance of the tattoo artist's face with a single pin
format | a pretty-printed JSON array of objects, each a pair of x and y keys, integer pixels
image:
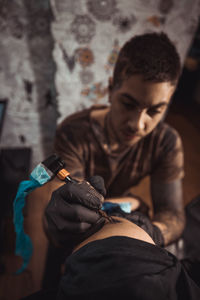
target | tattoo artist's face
[{"x": 137, "y": 106}]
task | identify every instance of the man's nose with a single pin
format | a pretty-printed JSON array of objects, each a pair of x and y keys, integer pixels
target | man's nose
[{"x": 138, "y": 121}]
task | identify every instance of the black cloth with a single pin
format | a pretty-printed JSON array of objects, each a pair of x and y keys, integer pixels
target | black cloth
[
  {"x": 191, "y": 234},
  {"x": 128, "y": 268}
]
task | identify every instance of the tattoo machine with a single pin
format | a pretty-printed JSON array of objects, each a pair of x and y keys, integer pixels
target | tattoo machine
[{"x": 43, "y": 172}]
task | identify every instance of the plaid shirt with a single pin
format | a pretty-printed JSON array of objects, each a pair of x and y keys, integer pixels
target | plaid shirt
[{"x": 81, "y": 142}]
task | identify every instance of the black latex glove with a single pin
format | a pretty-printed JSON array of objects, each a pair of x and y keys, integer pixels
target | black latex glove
[{"x": 73, "y": 214}]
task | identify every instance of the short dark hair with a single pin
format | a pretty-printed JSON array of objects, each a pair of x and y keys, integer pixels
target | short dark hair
[{"x": 151, "y": 55}]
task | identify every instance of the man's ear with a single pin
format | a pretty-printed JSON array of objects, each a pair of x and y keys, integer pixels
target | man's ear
[
  {"x": 110, "y": 88},
  {"x": 110, "y": 83}
]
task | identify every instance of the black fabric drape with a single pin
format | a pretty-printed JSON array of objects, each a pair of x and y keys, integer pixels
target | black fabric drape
[{"x": 128, "y": 268}]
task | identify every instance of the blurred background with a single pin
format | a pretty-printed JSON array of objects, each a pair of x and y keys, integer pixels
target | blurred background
[{"x": 55, "y": 58}]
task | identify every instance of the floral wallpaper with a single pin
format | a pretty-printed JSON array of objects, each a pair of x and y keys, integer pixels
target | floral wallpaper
[
  {"x": 89, "y": 33},
  {"x": 56, "y": 57},
  {"x": 27, "y": 73}
]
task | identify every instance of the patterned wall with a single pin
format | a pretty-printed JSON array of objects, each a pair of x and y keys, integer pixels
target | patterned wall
[
  {"x": 56, "y": 56},
  {"x": 27, "y": 73},
  {"x": 89, "y": 33}
]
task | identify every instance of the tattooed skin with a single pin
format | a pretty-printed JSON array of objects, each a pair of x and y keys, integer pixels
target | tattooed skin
[{"x": 168, "y": 207}]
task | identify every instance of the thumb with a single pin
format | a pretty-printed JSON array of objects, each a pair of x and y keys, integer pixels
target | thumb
[{"x": 98, "y": 183}]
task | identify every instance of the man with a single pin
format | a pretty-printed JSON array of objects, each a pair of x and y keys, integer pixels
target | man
[{"x": 128, "y": 140}]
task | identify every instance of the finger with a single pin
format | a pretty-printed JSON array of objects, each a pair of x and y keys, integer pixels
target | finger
[
  {"x": 74, "y": 212},
  {"x": 72, "y": 227},
  {"x": 98, "y": 183},
  {"x": 80, "y": 192},
  {"x": 79, "y": 213},
  {"x": 60, "y": 226},
  {"x": 85, "y": 194}
]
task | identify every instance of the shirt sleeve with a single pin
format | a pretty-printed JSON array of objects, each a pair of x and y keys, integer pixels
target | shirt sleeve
[
  {"x": 68, "y": 147},
  {"x": 169, "y": 162}
]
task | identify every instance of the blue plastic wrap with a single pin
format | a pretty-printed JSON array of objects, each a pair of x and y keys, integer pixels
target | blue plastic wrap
[
  {"x": 108, "y": 206},
  {"x": 24, "y": 247}
]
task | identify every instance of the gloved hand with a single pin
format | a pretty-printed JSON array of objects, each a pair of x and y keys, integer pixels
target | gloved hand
[
  {"x": 72, "y": 213},
  {"x": 145, "y": 223}
]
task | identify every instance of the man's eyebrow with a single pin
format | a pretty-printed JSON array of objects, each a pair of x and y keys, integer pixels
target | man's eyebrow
[
  {"x": 159, "y": 105},
  {"x": 132, "y": 99},
  {"x": 137, "y": 103}
]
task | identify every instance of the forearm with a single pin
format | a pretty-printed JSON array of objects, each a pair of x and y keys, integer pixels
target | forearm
[{"x": 171, "y": 225}]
